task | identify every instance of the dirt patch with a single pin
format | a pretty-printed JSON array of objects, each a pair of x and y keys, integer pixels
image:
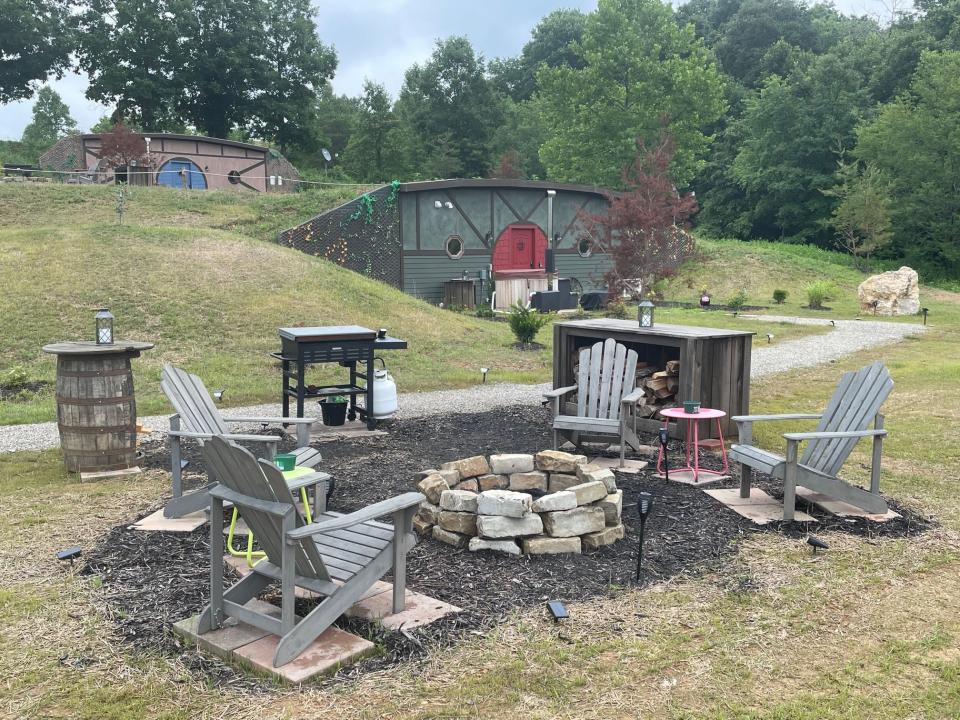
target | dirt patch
[{"x": 150, "y": 580}]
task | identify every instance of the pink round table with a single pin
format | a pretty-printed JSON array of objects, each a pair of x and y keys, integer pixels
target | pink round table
[{"x": 693, "y": 448}]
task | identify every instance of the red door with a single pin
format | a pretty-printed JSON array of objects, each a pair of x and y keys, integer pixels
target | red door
[{"x": 520, "y": 247}]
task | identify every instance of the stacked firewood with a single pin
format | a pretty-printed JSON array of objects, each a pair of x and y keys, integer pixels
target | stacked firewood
[{"x": 659, "y": 386}]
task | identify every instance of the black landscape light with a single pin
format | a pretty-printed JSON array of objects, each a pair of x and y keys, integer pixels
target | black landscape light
[
  {"x": 218, "y": 394},
  {"x": 664, "y": 438},
  {"x": 484, "y": 371},
  {"x": 769, "y": 338},
  {"x": 644, "y": 506},
  {"x": 924, "y": 312},
  {"x": 71, "y": 554},
  {"x": 816, "y": 543},
  {"x": 557, "y": 610}
]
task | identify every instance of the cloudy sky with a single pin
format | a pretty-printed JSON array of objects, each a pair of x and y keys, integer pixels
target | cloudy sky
[{"x": 380, "y": 39}]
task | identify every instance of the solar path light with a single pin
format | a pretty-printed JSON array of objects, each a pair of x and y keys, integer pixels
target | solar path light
[{"x": 644, "y": 506}]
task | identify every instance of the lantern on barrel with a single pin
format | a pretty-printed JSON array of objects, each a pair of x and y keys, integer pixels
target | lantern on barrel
[
  {"x": 645, "y": 314},
  {"x": 104, "y": 320}
]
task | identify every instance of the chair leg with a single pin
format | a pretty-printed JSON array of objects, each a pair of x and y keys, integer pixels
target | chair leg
[
  {"x": 175, "y": 458},
  {"x": 215, "y": 617},
  {"x": 287, "y": 575},
  {"x": 790, "y": 482},
  {"x": 746, "y": 472},
  {"x": 877, "y": 453},
  {"x": 623, "y": 440}
]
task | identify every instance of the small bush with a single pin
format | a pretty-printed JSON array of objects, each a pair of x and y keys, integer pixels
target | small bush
[
  {"x": 780, "y": 296},
  {"x": 820, "y": 292},
  {"x": 526, "y": 323},
  {"x": 485, "y": 311},
  {"x": 737, "y": 302},
  {"x": 616, "y": 309},
  {"x": 14, "y": 376}
]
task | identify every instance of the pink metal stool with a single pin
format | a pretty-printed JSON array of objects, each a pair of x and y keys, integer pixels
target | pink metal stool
[{"x": 693, "y": 447}]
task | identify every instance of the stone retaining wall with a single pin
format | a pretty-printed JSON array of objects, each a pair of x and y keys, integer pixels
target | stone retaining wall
[{"x": 551, "y": 502}]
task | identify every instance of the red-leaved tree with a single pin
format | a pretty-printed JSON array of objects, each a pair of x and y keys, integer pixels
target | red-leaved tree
[
  {"x": 122, "y": 147},
  {"x": 644, "y": 228},
  {"x": 508, "y": 166}
]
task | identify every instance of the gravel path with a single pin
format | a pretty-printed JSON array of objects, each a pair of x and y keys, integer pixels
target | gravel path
[{"x": 848, "y": 336}]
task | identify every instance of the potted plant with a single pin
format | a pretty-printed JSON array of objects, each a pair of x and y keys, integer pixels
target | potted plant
[{"x": 333, "y": 409}]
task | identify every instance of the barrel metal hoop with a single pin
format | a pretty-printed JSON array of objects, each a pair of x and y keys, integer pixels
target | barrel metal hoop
[
  {"x": 99, "y": 430},
  {"x": 94, "y": 401},
  {"x": 99, "y": 453},
  {"x": 95, "y": 373}
]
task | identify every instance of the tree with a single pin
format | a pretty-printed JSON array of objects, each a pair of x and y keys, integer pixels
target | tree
[
  {"x": 366, "y": 154},
  {"x": 122, "y": 147},
  {"x": 451, "y": 110},
  {"x": 643, "y": 228},
  {"x": 51, "y": 121},
  {"x": 638, "y": 67},
  {"x": 132, "y": 52},
  {"x": 35, "y": 41},
  {"x": 913, "y": 141},
  {"x": 861, "y": 220}
]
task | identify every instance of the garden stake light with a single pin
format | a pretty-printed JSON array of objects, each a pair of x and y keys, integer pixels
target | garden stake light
[
  {"x": 816, "y": 543},
  {"x": 557, "y": 610},
  {"x": 484, "y": 371},
  {"x": 71, "y": 554},
  {"x": 664, "y": 438},
  {"x": 644, "y": 506}
]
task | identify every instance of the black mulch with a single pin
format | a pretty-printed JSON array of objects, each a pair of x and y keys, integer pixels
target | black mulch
[{"x": 151, "y": 580}]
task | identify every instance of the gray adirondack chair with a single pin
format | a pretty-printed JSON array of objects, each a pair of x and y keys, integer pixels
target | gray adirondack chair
[
  {"x": 337, "y": 556},
  {"x": 606, "y": 395},
  {"x": 197, "y": 418},
  {"x": 855, "y": 403}
]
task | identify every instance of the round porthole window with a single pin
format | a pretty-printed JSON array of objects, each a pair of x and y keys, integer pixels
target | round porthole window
[
  {"x": 455, "y": 247},
  {"x": 584, "y": 247},
  {"x": 234, "y": 177}
]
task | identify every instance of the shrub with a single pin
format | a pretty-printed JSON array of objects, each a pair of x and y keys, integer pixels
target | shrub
[
  {"x": 617, "y": 309},
  {"x": 14, "y": 376},
  {"x": 819, "y": 292},
  {"x": 485, "y": 311},
  {"x": 780, "y": 296},
  {"x": 737, "y": 302},
  {"x": 526, "y": 323}
]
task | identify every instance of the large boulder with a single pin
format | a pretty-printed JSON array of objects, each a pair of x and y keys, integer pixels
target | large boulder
[{"x": 891, "y": 293}]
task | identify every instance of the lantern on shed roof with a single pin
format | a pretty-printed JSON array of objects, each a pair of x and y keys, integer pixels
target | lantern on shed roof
[
  {"x": 645, "y": 314},
  {"x": 104, "y": 321}
]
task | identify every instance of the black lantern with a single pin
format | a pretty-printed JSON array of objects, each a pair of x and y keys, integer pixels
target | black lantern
[
  {"x": 104, "y": 327},
  {"x": 644, "y": 506},
  {"x": 645, "y": 314}
]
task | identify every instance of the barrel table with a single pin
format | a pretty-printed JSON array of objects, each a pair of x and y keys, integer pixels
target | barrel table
[{"x": 96, "y": 408}]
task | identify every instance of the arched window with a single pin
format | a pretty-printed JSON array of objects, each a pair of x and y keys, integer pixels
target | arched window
[{"x": 181, "y": 173}]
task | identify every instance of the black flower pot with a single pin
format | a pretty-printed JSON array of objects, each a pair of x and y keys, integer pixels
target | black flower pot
[{"x": 333, "y": 413}]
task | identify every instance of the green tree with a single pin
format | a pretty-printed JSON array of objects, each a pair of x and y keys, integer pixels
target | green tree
[
  {"x": 366, "y": 154},
  {"x": 35, "y": 41},
  {"x": 861, "y": 219},
  {"x": 450, "y": 109},
  {"x": 131, "y": 51},
  {"x": 51, "y": 121},
  {"x": 914, "y": 142},
  {"x": 639, "y": 67}
]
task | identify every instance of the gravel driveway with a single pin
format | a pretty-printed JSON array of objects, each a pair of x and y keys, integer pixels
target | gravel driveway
[{"x": 848, "y": 336}]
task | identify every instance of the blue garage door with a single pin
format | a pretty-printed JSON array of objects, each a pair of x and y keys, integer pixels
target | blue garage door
[{"x": 181, "y": 173}]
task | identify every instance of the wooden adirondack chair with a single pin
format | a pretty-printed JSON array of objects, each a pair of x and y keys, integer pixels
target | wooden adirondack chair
[
  {"x": 605, "y": 395},
  {"x": 201, "y": 421},
  {"x": 846, "y": 420},
  {"x": 337, "y": 556}
]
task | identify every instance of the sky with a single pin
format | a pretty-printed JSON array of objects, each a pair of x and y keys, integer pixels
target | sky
[{"x": 380, "y": 39}]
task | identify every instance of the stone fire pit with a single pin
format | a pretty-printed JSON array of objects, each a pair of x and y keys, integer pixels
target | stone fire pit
[{"x": 548, "y": 503}]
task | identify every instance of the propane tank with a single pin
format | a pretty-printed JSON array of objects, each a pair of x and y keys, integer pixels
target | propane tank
[{"x": 384, "y": 393}]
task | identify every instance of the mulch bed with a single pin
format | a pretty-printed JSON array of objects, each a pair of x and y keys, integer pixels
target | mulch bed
[{"x": 151, "y": 580}]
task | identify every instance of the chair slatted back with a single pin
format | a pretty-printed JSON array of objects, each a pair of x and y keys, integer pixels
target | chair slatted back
[
  {"x": 854, "y": 404},
  {"x": 240, "y": 471},
  {"x": 192, "y": 402},
  {"x": 607, "y": 372}
]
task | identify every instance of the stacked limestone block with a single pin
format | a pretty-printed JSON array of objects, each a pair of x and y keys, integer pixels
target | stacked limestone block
[{"x": 553, "y": 502}]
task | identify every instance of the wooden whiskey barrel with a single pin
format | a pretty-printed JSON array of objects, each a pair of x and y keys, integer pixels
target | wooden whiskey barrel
[{"x": 96, "y": 407}]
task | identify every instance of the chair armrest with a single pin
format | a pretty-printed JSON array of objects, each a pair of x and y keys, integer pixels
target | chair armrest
[
  {"x": 831, "y": 435},
  {"x": 384, "y": 507},
  {"x": 241, "y": 438},
  {"x": 785, "y": 416},
  {"x": 272, "y": 420},
  {"x": 314, "y": 478},
  {"x": 268, "y": 506},
  {"x": 633, "y": 398},
  {"x": 559, "y": 392}
]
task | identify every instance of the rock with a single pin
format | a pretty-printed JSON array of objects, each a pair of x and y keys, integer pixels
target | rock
[
  {"x": 567, "y": 446},
  {"x": 509, "y": 464},
  {"x": 496, "y": 526},
  {"x": 543, "y": 545},
  {"x": 504, "y": 502},
  {"x": 421, "y": 527},
  {"x": 469, "y": 467},
  {"x": 432, "y": 486},
  {"x": 607, "y": 536},
  {"x": 892, "y": 293},
  {"x": 450, "y": 538},
  {"x": 557, "y": 461},
  {"x": 464, "y": 523},
  {"x": 579, "y": 521},
  {"x": 451, "y": 476},
  {"x": 505, "y": 546},
  {"x": 612, "y": 506},
  {"x": 493, "y": 482},
  {"x": 470, "y": 485},
  {"x": 563, "y": 500},
  {"x": 528, "y": 481},
  {"x": 417, "y": 477},
  {"x": 561, "y": 481},
  {"x": 590, "y": 473},
  {"x": 429, "y": 512},
  {"x": 589, "y": 492},
  {"x": 458, "y": 501},
  {"x": 647, "y": 450}
]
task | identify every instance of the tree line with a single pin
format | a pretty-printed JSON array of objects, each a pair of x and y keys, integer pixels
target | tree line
[{"x": 789, "y": 121}]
